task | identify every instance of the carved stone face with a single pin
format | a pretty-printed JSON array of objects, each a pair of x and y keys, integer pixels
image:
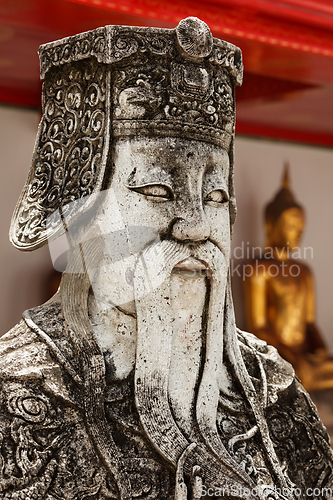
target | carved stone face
[
  {"x": 177, "y": 187},
  {"x": 166, "y": 188}
]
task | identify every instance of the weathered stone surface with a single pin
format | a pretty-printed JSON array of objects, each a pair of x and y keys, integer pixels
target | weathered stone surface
[{"x": 133, "y": 381}]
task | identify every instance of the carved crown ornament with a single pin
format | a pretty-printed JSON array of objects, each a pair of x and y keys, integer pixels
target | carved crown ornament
[{"x": 114, "y": 82}]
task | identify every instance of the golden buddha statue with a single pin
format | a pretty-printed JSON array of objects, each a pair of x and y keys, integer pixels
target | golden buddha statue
[{"x": 280, "y": 298}]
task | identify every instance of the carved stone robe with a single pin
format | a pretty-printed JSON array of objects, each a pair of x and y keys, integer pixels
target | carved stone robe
[{"x": 48, "y": 450}]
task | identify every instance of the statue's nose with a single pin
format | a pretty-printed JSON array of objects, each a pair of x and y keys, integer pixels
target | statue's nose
[{"x": 192, "y": 226}]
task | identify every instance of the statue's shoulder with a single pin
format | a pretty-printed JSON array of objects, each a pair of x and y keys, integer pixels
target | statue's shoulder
[
  {"x": 263, "y": 359},
  {"x": 20, "y": 336},
  {"x": 301, "y": 441},
  {"x": 23, "y": 353},
  {"x": 35, "y": 353},
  {"x": 45, "y": 449},
  {"x": 299, "y": 437}
]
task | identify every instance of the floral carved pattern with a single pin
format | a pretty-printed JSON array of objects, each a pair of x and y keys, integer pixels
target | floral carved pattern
[
  {"x": 301, "y": 442},
  {"x": 45, "y": 453},
  {"x": 67, "y": 162},
  {"x": 165, "y": 96},
  {"x": 129, "y": 42},
  {"x": 27, "y": 463}
]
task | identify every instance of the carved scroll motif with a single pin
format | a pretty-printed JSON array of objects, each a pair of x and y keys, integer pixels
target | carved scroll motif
[
  {"x": 301, "y": 442},
  {"x": 173, "y": 99},
  {"x": 107, "y": 44},
  {"x": 230, "y": 59},
  {"x": 67, "y": 162},
  {"x": 113, "y": 44}
]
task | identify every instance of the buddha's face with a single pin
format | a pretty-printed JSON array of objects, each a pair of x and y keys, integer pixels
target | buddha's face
[{"x": 288, "y": 229}]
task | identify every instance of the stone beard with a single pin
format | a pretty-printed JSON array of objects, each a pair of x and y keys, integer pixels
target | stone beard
[{"x": 133, "y": 382}]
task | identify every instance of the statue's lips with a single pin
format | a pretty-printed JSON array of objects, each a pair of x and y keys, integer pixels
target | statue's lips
[{"x": 191, "y": 267}]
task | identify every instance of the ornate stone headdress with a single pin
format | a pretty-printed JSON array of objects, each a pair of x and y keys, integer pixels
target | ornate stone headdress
[{"x": 116, "y": 82}]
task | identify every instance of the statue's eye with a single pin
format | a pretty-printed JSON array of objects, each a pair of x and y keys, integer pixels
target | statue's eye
[
  {"x": 217, "y": 197},
  {"x": 155, "y": 192}
]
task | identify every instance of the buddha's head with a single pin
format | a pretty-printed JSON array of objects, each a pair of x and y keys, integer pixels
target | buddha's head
[{"x": 284, "y": 218}]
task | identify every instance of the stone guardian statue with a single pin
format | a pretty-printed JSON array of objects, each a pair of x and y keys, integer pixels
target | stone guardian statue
[{"x": 133, "y": 381}]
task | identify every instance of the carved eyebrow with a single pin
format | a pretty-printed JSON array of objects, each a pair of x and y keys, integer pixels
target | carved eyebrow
[
  {"x": 140, "y": 178},
  {"x": 214, "y": 180},
  {"x": 149, "y": 184}
]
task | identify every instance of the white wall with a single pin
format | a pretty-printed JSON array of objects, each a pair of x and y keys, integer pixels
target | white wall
[
  {"x": 258, "y": 172},
  {"x": 257, "y": 177}
]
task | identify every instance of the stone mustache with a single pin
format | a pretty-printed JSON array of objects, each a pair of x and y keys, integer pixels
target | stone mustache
[{"x": 133, "y": 380}]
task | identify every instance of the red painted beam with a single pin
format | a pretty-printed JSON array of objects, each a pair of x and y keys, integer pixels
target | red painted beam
[
  {"x": 20, "y": 97},
  {"x": 287, "y": 24},
  {"x": 310, "y": 12},
  {"x": 268, "y": 132}
]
